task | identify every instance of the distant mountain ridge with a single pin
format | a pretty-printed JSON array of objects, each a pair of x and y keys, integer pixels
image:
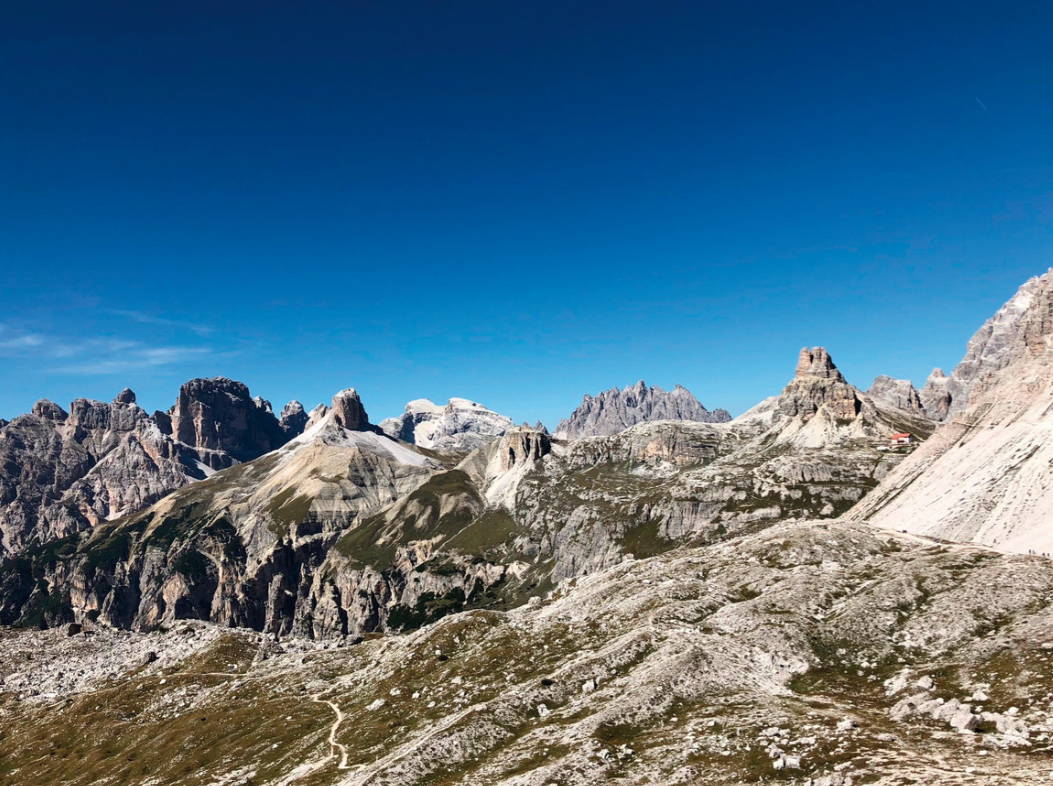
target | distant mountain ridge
[
  {"x": 63, "y": 472},
  {"x": 614, "y": 410}
]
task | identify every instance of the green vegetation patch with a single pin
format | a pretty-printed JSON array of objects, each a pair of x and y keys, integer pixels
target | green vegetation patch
[
  {"x": 288, "y": 508},
  {"x": 492, "y": 529},
  {"x": 643, "y": 540}
]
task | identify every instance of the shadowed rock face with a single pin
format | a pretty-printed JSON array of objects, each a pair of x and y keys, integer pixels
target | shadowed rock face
[
  {"x": 293, "y": 419},
  {"x": 348, "y": 412},
  {"x": 523, "y": 446},
  {"x": 934, "y": 396},
  {"x": 49, "y": 410},
  {"x": 219, "y": 414},
  {"x": 614, "y": 410}
]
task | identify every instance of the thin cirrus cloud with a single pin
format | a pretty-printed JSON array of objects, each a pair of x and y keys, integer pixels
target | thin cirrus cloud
[
  {"x": 135, "y": 357},
  {"x": 150, "y": 319},
  {"x": 106, "y": 355}
]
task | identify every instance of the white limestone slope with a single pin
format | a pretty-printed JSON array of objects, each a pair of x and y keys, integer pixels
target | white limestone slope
[{"x": 986, "y": 476}]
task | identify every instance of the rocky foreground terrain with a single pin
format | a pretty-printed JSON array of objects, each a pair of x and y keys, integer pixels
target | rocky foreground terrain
[
  {"x": 811, "y": 652},
  {"x": 445, "y": 598}
]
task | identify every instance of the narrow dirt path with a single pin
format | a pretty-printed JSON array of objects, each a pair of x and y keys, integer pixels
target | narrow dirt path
[
  {"x": 333, "y": 744},
  {"x": 336, "y": 750}
]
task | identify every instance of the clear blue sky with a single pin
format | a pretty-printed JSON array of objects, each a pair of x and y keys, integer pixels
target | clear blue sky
[{"x": 515, "y": 202}]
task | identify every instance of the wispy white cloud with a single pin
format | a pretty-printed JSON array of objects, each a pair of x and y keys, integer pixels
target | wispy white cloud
[
  {"x": 152, "y": 319},
  {"x": 95, "y": 355},
  {"x": 21, "y": 342},
  {"x": 134, "y": 358}
]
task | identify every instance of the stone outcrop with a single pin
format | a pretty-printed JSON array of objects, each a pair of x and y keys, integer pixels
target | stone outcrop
[
  {"x": 614, "y": 410},
  {"x": 460, "y": 425},
  {"x": 818, "y": 385},
  {"x": 218, "y": 414},
  {"x": 898, "y": 393},
  {"x": 935, "y": 397},
  {"x": 816, "y": 363},
  {"x": 316, "y": 415},
  {"x": 293, "y": 419},
  {"x": 522, "y": 446},
  {"x": 348, "y": 412}
]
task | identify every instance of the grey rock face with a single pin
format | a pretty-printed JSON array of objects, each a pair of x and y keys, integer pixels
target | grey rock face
[
  {"x": 347, "y": 410},
  {"x": 935, "y": 397},
  {"x": 614, "y": 410},
  {"x": 817, "y": 383},
  {"x": 523, "y": 446},
  {"x": 316, "y": 415},
  {"x": 60, "y": 475},
  {"x": 816, "y": 362},
  {"x": 63, "y": 472},
  {"x": 49, "y": 410},
  {"x": 899, "y": 393},
  {"x": 218, "y": 414},
  {"x": 1020, "y": 326},
  {"x": 293, "y": 419}
]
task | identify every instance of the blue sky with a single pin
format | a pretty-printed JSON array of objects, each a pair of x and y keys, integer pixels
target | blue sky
[{"x": 512, "y": 202}]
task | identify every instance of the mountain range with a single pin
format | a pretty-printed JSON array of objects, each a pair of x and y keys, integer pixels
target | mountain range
[{"x": 834, "y": 587}]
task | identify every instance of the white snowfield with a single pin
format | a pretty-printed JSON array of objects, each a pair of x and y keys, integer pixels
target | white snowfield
[{"x": 459, "y": 425}]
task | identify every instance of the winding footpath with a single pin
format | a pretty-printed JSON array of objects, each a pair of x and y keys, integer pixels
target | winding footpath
[
  {"x": 301, "y": 772},
  {"x": 333, "y": 744}
]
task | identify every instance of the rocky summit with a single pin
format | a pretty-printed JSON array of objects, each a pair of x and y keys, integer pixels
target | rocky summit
[
  {"x": 460, "y": 425},
  {"x": 614, "y": 410},
  {"x": 836, "y": 587}
]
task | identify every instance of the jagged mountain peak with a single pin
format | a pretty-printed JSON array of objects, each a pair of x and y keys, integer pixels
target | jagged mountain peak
[
  {"x": 49, "y": 410},
  {"x": 615, "y": 410},
  {"x": 293, "y": 419},
  {"x": 816, "y": 362},
  {"x": 347, "y": 410},
  {"x": 1019, "y": 329},
  {"x": 126, "y": 396},
  {"x": 998, "y": 490},
  {"x": 218, "y": 413},
  {"x": 899, "y": 393}
]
